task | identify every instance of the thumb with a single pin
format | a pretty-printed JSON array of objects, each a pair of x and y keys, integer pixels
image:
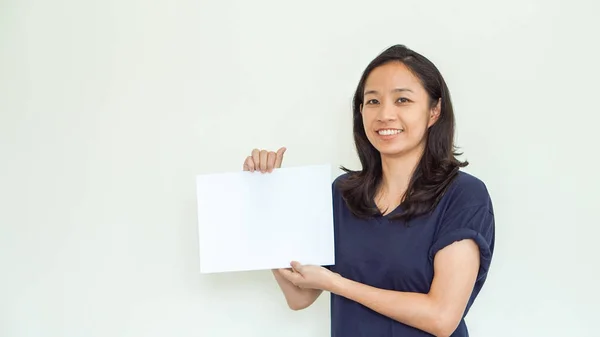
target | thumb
[
  {"x": 297, "y": 266},
  {"x": 279, "y": 157},
  {"x": 281, "y": 151}
]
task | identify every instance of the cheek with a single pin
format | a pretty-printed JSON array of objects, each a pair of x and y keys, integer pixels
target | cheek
[
  {"x": 367, "y": 116},
  {"x": 416, "y": 127},
  {"x": 367, "y": 121}
]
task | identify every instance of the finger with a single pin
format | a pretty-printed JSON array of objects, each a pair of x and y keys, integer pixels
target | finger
[
  {"x": 271, "y": 156},
  {"x": 256, "y": 158},
  {"x": 285, "y": 271},
  {"x": 290, "y": 275},
  {"x": 263, "y": 161},
  {"x": 279, "y": 157},
  {"x": 249, "y": 164},
  {"x": 281, "y": 271}
]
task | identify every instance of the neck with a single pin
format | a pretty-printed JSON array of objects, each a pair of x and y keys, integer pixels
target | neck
[{"x": 397, "y": 172}]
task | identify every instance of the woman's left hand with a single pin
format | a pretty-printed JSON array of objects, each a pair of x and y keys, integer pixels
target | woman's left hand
[{"x": 309, "y": 276}]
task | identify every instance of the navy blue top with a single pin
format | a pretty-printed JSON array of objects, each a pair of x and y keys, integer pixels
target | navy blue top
[{"x": 390, "y": 255}]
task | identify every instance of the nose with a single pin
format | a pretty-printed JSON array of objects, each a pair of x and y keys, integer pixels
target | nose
[{"x": 386, "y": 112}]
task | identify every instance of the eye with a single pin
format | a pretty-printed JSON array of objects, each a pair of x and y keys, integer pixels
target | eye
[
  {"x": 372, "y": 101},
  {"x": 403, "y": 100}
]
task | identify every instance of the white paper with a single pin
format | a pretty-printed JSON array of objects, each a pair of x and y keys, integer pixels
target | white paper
[{"x": 257, "y": 221}]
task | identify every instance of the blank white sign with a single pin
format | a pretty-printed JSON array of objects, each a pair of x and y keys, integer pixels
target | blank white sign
[{"x": 257, "y": 221}]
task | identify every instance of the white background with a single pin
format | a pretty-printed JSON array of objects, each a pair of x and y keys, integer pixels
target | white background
[{"x": 109, "y": 109}]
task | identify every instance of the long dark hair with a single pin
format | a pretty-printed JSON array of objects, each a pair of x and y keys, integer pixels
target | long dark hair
[{"x": 437, "y": 167}]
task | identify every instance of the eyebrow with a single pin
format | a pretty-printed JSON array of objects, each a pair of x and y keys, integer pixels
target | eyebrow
[{"x": 395, "y": 90}]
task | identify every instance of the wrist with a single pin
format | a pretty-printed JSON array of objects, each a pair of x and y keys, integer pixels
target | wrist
[{"x": 337, "y": 284}]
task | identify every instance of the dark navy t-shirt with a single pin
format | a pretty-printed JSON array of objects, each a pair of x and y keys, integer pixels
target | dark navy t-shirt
[{"x": 390, "y": 255}]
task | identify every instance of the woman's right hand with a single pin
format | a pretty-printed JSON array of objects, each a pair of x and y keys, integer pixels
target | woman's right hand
[{"x": 264, "y": 161}]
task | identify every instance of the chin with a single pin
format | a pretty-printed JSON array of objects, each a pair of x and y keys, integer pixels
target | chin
[
  {"x": 391, "y": 152},
  {"x": 396, "y": 149}
]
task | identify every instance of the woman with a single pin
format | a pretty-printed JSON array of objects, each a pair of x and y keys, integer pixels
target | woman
[{"x": 414, "y": 236}]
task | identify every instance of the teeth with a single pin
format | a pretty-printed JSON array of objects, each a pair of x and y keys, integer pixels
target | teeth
[{"x": 389, "y": 132}]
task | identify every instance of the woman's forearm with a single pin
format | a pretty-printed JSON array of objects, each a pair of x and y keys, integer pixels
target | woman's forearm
[{"x": 415, "y": 309}]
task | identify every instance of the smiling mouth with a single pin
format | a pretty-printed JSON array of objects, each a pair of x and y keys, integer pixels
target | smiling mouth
[{"x": 389, "y": 132}]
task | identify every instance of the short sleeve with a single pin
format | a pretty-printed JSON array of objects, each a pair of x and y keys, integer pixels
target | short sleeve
[{"x": 476, "y": 223}]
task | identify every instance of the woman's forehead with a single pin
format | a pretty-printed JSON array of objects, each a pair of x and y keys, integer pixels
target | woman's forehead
[{"x": 391, "y": 77}]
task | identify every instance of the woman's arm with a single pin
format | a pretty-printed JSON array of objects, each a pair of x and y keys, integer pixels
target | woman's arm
[
  {"x": 438, "y": 312},
  {"x": 296, "y": 298}
]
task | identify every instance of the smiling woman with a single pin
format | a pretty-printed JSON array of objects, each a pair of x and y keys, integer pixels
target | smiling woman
[
  {"x": 414, "y": 235},
  {"x": 389, "y": 113}
]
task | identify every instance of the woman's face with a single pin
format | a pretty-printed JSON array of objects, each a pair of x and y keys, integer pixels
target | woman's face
[{"x": 396, "y": 111}]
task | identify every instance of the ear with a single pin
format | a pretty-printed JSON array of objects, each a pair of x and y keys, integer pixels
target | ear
[
  {"x": 435, "y": 112},
  {"x": 361, "y": 106}
]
